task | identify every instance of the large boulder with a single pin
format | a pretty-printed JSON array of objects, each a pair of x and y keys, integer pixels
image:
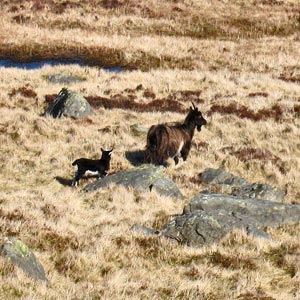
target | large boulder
[
  {"x": 208, "y": 217},
  {"x": 17, "y": 253},
  {"x": 220, "y": 180},
  {"x": 69, "y": 104},
  {"x": 143, "y": 178}
]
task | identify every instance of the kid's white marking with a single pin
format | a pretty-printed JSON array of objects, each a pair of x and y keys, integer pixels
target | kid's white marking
[{"x": 91, "y": 172}]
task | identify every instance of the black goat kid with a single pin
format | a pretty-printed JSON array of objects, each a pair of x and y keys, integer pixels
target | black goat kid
[
  {"x": 164, "y": 141},
  {"x": 85, "y": 166}
]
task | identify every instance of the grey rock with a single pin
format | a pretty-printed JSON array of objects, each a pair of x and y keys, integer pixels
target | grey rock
[
  {"x": 64, "y": 78},
  {"x": 144, "y": 229},
  {"x": 268, "y": 213},
  {"x": 220, "y": 176},
  {"x": 143, "y": 178},
  {"x": 201, "y": 228},
  {"x": 138, "y": 130},
  {"x": 261, "y": 191},
  {"x": 208, "y": 217},
  {"x": 69, "y": 104},
  {"x": 220, "y": 180},
  {"x": 17, "y": 253}
]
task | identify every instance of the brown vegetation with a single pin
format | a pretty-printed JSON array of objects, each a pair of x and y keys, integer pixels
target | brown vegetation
[
  {"x": 258, "y": 94},
  {"x": 25, "y": 91},
  {"x": 242, "y": 111},
  {"x": 247, "y": 154},
  {"x": 171, "y": 20}
]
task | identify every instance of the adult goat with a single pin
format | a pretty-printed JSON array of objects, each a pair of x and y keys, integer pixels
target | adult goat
[{"x": 164, "y": 141}]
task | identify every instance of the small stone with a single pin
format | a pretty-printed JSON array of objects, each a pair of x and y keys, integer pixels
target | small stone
[
  {"x": 64, "y": 78},
  {"x": 138, "y": 130},
  {"x": 69, "y": 104}
]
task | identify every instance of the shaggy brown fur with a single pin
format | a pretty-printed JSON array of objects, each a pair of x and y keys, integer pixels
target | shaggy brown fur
[{"x": 164, "y": 141}]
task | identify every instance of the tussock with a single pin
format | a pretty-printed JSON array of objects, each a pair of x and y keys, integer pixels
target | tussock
[{"x": 247, "y": 154}]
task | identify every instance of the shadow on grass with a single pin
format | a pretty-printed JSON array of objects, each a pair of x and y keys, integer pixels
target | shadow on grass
[
  {"x": 68, "y": 182},
  {"x": 64, "y": 181},
  {"x": 136, "y": 157}
]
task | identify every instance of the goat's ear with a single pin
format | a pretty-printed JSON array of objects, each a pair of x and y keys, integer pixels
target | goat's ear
[{"x": 191, "y": 108}]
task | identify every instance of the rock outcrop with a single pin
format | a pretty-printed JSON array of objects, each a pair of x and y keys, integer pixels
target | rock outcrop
[
  {"x": 220, "y": 180},
  {"x": 143, "y": 178},
  {"x": 208, "y": 217},
  {"x": 69, "y": 104},
  {"x": 17, "y": 253}
]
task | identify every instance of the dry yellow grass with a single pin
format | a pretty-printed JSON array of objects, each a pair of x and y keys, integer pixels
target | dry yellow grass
[{"x": 243, "y": 52}]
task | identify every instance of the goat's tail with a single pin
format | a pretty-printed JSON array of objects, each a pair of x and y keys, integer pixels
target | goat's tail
[
  {"x": 154, "y": 138},
  {"x": 157, "y": 143},
  {"x": 75, "y": 162}
]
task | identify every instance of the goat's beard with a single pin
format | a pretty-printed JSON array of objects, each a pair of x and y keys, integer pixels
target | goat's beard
[{"x": 199, "y": 127}]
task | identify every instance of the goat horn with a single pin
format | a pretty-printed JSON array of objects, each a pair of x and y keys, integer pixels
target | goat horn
[{"x": 194, "y": 105}]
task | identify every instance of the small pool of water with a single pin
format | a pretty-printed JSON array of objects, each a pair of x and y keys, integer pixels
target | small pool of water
[{"x": 33, "y": 65}]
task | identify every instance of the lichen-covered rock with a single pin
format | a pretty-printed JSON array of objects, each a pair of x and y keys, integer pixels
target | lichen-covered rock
[
  {"x": 220, "y": 176},
  {"x": 268, "y": 213},
  {"x": 208, "y": 217},
  {"x": 143, "y": 178},
  {"x": 69, "y": 104},
  {"x": 261, "y": 191},
  {"x": 222, "y": 181},
  {"x": 201, "y": 228},
  {"x": 17, "y": 253},
  {"x": 64, "y": 78}
]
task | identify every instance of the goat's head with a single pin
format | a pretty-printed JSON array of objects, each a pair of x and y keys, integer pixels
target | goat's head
[
  {"x": 106, "y": 153},
  {"x": 197, "y": 117}
]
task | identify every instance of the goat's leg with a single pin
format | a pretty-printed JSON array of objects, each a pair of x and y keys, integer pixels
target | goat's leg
[
  {"x": 154, "y": 158},
  {"x": 185, "y": 151},
  {"x": 176, "y": 159},
  {"x": 77, "y": 176},
  {"x": 102, "y": 175},
  {"x": 159, "y": 159},
  {"x": 148, "y": 157},
  {"x": 75, "y": 180}
]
